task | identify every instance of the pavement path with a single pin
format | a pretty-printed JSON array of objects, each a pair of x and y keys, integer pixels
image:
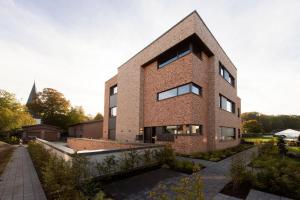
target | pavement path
[
  {"x": 19, "y": 180},
  {"x": 216, "y": 174}
]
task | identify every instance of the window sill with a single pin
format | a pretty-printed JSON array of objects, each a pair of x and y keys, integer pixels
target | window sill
[
  {"x": 227, "y": 81},
  {"x": 198, "y": 95},
  {"x": 226, "y": 111}
]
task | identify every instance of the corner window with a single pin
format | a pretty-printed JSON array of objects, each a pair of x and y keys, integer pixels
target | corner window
[
  {"x": 196, "y": 129},
  {"x": 227, "y": 133},
  {"x": 184, "y": 89},
  {"x": 113, "y": 112},
  {"x": 173, "y": 54},
  {"x": 113, "y": 90},
  {"x": 227, "y": 104},
  {"x": 226, "y": 75},
  {"x": 179, "y": 129}
]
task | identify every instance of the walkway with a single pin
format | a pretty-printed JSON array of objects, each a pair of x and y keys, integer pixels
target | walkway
[
  {"x": 216, "y": 174},
  {"x": 19, "y": 180}
]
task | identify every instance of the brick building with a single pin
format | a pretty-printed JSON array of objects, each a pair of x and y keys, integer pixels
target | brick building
[
  {"x": 42, "y": 131},
  {"x": 180, "y": 89},
  {"x": 89, "y": 129}
]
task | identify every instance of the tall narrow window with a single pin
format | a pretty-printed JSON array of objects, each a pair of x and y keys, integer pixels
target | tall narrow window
[
  {"x": 226, "y": 74},
  {"x": 113, "y": 90},
  {"x": 113, "y": 112}
]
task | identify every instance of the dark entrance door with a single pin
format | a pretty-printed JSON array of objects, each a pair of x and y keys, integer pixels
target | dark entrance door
[{"x": 149, "y": 135}]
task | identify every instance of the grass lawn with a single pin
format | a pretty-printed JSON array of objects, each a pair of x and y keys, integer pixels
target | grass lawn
[
  {"x": 294, "y": 149},
  {"x": 259, "y": 140},
  {"x": 6, "y": 151},
  {"x": 219, "y": 154}
]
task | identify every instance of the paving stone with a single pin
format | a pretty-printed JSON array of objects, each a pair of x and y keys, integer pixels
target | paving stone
[{"x": 19, "y": 179}]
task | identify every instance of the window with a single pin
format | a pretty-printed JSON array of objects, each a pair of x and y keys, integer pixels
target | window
[
  {"x": 113, "y": 112},
  {"x": 184, "y": 89},
  {"x": 179, "y": 129},
  {"x": 225, "y": 74},
  {"x": 167, "y": 94},
  {"x": 227, "y": 104},
  {"x": 196, "y": 129},
  {"x": 239, "y": 133},
  {"x": 113, "y": 90},
  {"x": 239, "y": 112},
  {"x": 195, "y": 89},
  {"x": 173, "y": 54},
  {"x": 227, "y": 133}
]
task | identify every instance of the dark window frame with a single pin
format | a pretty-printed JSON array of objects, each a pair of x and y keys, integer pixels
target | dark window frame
[
  {"x": 183, "y": 134},
  {"x": 222, "y": 70},
  {"x": 227, "y": 99},
  {"x": 172, "y": 55},
  {"x": 110, "y": 112},
  {"x": 191, "y": 84},
  {"x": 112, "y": 90}
]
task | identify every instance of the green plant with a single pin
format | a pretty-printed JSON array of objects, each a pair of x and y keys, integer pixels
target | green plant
[
  {"x": 134, "y": 158},
  {"x": 282, "y": 150},
  {"x": 239, "y": 174},
  {"x": 108, "y": 166},
  {"x": 165, "y": 155},
  {"x": 147, "y": 157}
]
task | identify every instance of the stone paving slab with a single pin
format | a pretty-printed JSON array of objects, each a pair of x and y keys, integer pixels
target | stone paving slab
[
  {"x": 19, "y": 179},
  {"x": 225, "y": 197},
  {"x": 258, "y": 195}
]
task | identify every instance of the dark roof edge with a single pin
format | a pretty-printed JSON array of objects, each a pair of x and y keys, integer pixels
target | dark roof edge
[
  {"x": 87, "y": 122},
  {"x": 170, "y": 30}
]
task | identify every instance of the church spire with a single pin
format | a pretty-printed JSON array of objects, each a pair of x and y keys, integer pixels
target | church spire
[{"x": 32, "y": 94}]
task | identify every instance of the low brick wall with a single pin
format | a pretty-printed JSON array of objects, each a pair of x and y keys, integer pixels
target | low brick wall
[{"x": 79, "y": 144}]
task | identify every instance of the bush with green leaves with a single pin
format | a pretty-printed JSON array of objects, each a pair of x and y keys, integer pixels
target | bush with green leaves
[
  {"x": 62, "y": 179},
  {"x": 107, "y": 166},
  {"x": 185, "y": 166},
  {"x": 187, "y": 188}
]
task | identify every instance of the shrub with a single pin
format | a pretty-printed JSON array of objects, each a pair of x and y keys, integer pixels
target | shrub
[
  {"x": 239, "y": 173},
  {"x": 282, "y": 150},
  {"x": 108, "y": 166},
  {"x": 166, "y": 155},
  {"x": 185, "y": 166}
]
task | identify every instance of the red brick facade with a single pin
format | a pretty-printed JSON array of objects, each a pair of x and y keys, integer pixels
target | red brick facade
[{"x": 140, "y": 80}]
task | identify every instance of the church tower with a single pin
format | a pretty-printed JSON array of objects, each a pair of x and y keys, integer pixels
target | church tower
[{"x": 32, "y": 96}]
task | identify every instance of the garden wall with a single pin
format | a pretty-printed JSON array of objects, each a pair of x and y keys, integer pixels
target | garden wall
[{"x": 119, "y": 153}]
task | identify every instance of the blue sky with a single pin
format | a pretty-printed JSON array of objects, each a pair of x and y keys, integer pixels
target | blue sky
[{"x": 74, "y": 46}]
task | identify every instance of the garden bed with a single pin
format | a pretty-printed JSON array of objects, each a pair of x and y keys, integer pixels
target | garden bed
[
  {"x": 6, "y": 152},
  {"x": 270, "y": 172},
  {"x": 218, "y": 155}
]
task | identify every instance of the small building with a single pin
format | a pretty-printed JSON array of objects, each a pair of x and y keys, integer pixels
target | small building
[
  {"x": 42, "y": 131},
  {"x": 289, "y": 134},
  {"x": 89, "y": 129}
]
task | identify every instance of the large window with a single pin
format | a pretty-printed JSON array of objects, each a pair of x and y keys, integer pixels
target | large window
[
  {"x": 225, "y": 74},
  {"x": 179, "y": 129},
  {"x": 113, "y": 112},
  {"x": 173, "y": 54},
  {"x": 227, "y": 133},
  {"x": 184, "y": 89},
  {"x": 227, "y": 104}
]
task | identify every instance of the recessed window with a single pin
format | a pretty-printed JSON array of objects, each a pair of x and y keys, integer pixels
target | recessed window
[
  {"x": 184, "y": 89},
  {"x": 227, "y": 133},
  {"x": 113, "y": 112},
  {"x": 225, "y": 74},
  {"x": 113, "y": 90},
  {"x": 174, "y": 54},
  {"x": 171, "y": 129},
  {"x": 179, "y": 129},
  {"x": 227, "y": 104},
  {"x": 196, "y": 129}
]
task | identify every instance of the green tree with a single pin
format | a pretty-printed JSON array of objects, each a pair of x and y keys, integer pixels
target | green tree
[
  {"x": 98, "y": 116},
  {"x": 55, "y": 109},
  {"x": 252, "y": 126},
  {"x": 13, "y": 114}
]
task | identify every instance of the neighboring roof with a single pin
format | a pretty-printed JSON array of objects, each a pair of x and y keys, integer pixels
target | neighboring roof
[
  {"x": 290, "y": 133},
  {"x": 194, "y": 12},
  {"x": 41, "y": 126},
  {"x": 32, "y": 94},
  {"x": 87, "y": 122}
]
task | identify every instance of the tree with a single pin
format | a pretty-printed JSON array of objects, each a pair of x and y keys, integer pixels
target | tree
[
  {"x": 13, "y": 114},
  {"x": 252, "y": 126},
  {"x": 98, "y": 116},
  {"x": 282, "y": 150},
  {"x": 76, "y": 115},
  {"x": 55, "y": 109}
]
